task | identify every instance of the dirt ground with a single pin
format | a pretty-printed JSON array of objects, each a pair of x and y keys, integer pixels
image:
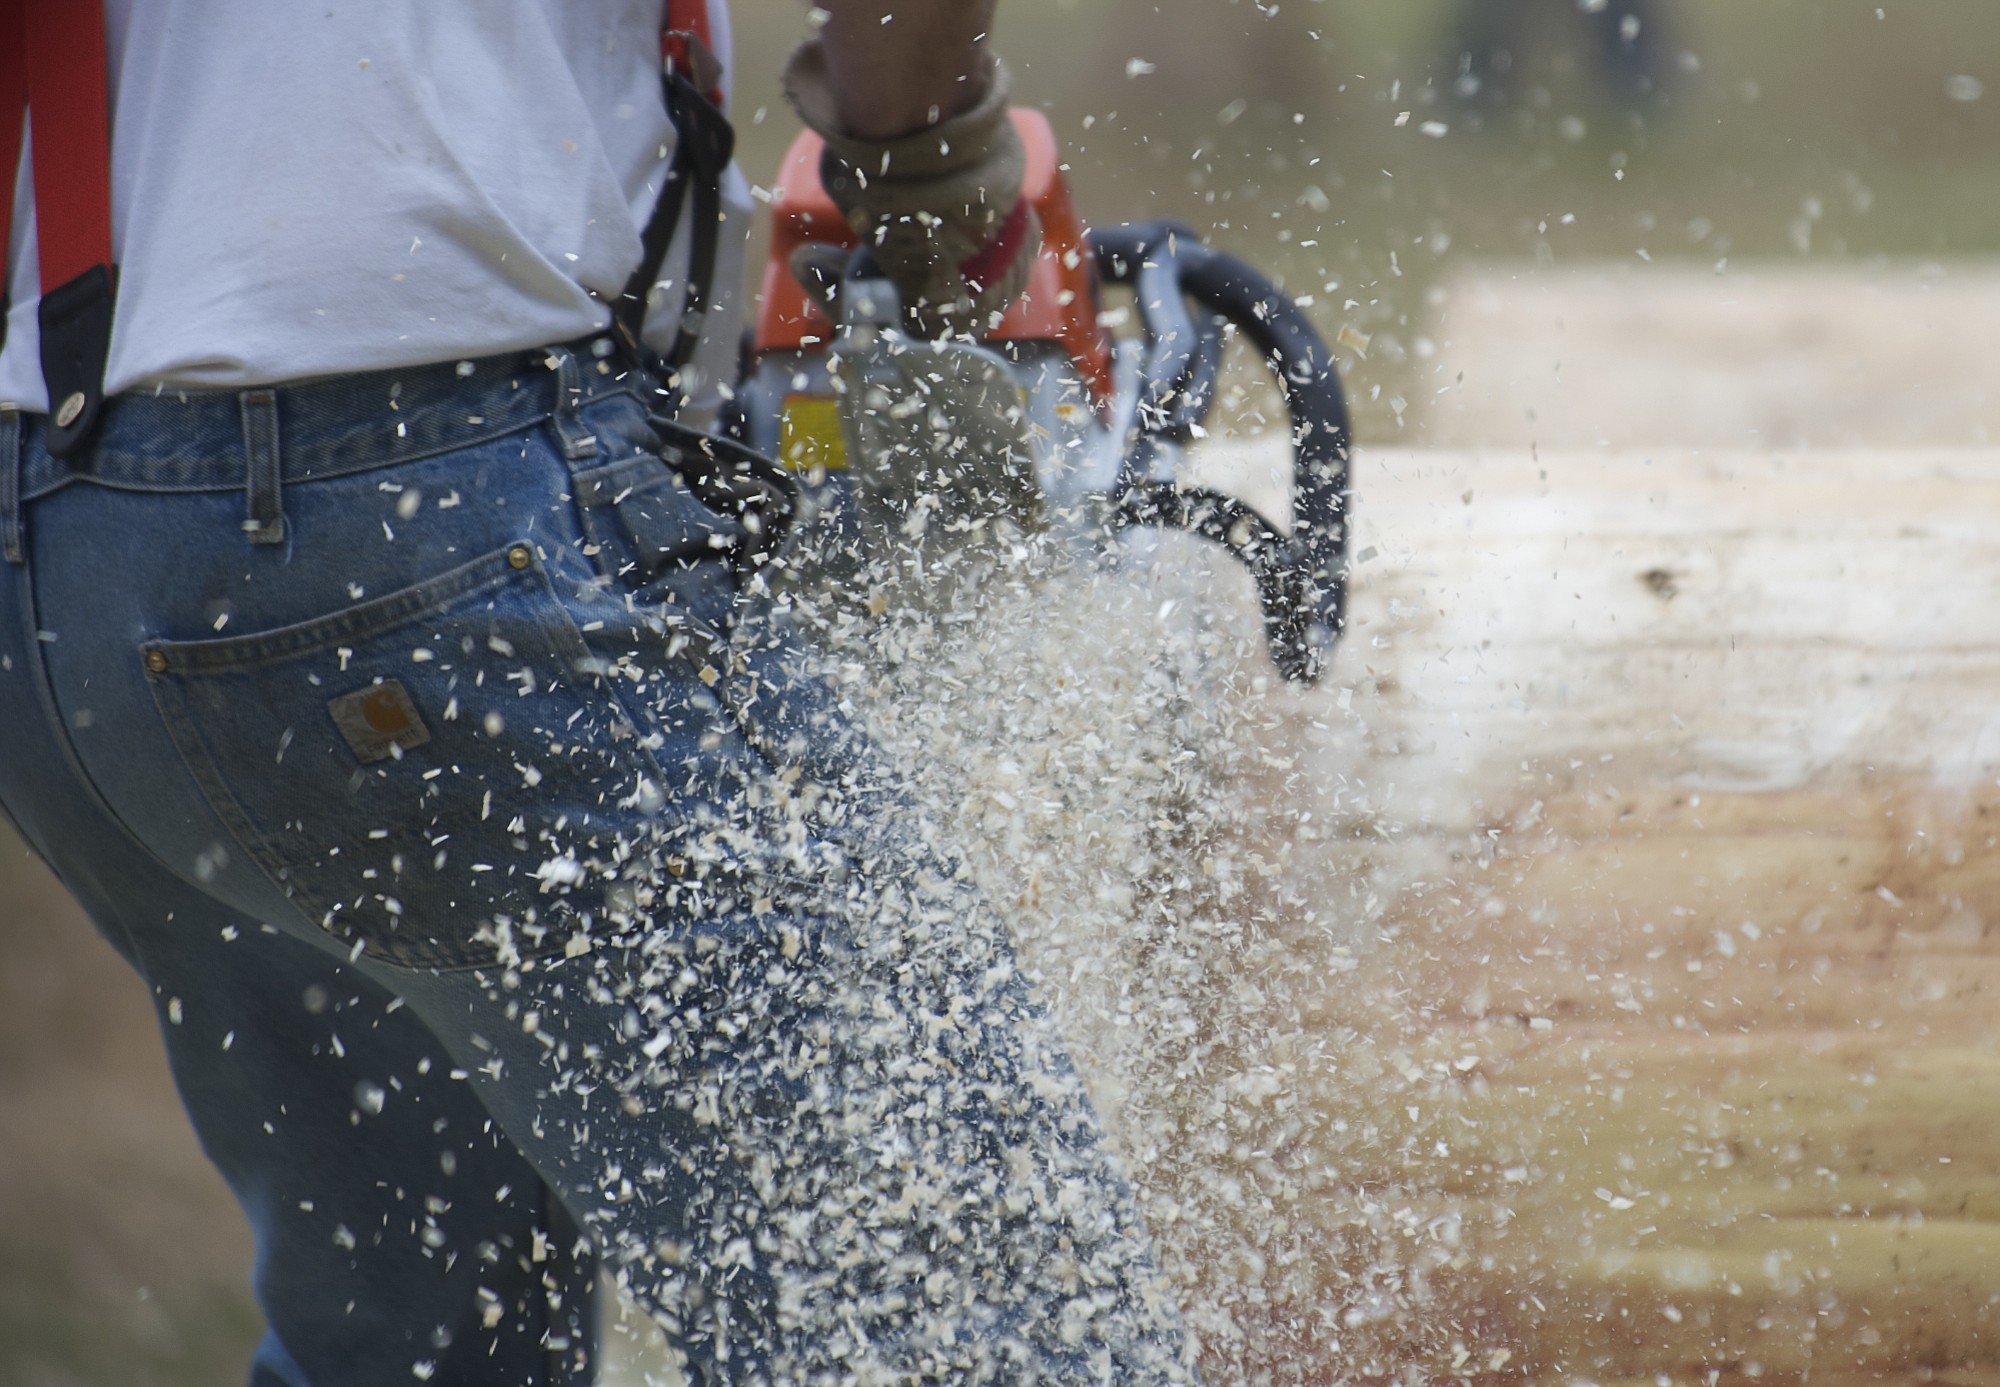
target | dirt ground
[{"x": 122, "y": 1256}]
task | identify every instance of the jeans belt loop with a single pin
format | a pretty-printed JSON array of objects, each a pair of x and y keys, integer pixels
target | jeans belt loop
[
  {"x": 265, "y": 520},
  {"x": 577, "y": 441},
  {"x": 11, "y": 546}
]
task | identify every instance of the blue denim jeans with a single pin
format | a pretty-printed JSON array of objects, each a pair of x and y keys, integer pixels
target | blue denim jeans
[{"x": 518, "y": 899}]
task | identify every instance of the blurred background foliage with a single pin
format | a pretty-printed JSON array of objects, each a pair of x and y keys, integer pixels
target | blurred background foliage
[{"x": 1776, "y": 130}]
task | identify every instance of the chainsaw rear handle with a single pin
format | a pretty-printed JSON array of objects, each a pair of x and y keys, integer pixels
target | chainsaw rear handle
[{"x": 1301, "y": 577}]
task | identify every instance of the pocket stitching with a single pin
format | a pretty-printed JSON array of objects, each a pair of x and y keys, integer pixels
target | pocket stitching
[
  {"x": 377, "y": 617},
  {"x": 374, "y": 617}
]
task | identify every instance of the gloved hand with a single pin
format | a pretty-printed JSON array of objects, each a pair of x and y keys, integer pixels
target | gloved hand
[{"x": 940, "y": 209}]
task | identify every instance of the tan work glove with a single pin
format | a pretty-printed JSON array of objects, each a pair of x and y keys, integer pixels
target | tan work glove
[{"x": 940, "y": 209}]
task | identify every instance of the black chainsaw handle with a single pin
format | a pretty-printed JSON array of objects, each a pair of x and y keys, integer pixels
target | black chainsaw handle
[
  {"x": 1301, "y": 577},
  {"x": 1285, "y": 588}
]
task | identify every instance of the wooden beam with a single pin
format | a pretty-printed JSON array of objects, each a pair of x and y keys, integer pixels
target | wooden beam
[{"x": 1671, "y": 1051}]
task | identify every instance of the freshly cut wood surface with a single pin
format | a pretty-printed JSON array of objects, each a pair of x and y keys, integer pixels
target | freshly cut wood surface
[
  {"x": 1674, "y": 1055},
  {"x": 1720, "y": 1083}
]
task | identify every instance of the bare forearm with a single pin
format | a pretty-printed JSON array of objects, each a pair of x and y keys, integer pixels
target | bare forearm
[{"x": 897, "y": 66}]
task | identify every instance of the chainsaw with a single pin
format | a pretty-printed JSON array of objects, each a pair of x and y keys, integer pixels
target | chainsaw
[{"x": 923, "y": 453}]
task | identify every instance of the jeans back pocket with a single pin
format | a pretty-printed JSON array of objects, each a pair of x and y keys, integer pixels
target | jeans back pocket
[
  {"x": 445, "y": 777},
  {"x": 651, "y": 533}
]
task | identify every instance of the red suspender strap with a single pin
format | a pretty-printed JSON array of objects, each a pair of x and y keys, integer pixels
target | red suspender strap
[
  {"x": 52, "y": 67},
  {"x": 688, "y": 45},
  {"x": 13, "y": 112},
  {"x": 72, "y": 132},
  {"x": 690, "y": 17}
]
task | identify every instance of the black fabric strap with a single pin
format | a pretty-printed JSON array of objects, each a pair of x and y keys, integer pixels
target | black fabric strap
[
  {"x": 703, "y": 145},
  {"x": 75, "y": 318}
]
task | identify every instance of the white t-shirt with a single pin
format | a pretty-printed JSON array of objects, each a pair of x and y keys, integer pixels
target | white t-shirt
[{"x": 303, "y": 190}]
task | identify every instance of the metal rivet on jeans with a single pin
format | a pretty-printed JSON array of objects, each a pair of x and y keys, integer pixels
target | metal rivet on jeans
[
  {"x": 72, "y": 406},
  {"x": 156, "y": 661},
  {"x": 520, "y": 556}
]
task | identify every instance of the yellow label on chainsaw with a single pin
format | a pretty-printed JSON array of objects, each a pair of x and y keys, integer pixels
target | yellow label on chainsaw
[{"x": 809, "y": 436}]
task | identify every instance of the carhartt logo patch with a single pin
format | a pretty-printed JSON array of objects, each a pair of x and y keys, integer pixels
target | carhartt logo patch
[{"x": 379, "y": 721}]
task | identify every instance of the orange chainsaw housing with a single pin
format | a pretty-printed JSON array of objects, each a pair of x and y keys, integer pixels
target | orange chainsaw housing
[{"x": 1059, "y": 305}]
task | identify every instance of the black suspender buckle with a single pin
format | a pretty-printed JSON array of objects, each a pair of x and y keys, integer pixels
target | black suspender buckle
[{"x": 75, "y": 321}]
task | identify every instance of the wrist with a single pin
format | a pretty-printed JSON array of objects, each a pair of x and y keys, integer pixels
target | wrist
[
  {"x": 934, "y": 147},
  {"x": 894, "y": 68},
  {"x": 881, "y": 112}
]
